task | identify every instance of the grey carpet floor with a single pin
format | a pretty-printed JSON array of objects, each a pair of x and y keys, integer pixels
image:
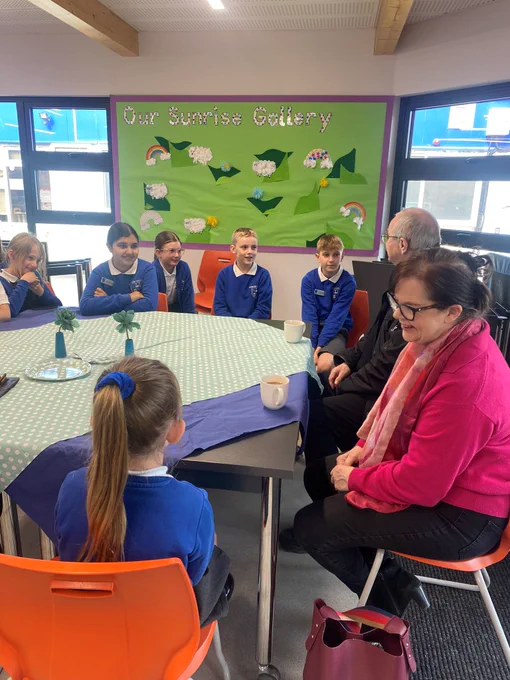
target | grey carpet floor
[{"x": 452, "y": 641}]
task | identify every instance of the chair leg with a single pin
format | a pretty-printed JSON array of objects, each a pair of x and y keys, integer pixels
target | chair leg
[
  {"x": 219, "y": 654},
  {"x": 486, "y": 578},
  {"x": 371, "y": 578},
  {"x": 493, "y": 615}
]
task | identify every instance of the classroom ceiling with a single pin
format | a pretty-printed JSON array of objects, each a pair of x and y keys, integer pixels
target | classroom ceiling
[{"x": 21, "y": 17}]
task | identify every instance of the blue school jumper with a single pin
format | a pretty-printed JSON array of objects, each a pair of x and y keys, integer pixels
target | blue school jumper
[
  {"x": 326, "y": 305},
  {"x": 185, "y": 301},
  {"x": 165, "y": 518},
  {"x": 21, "y": 297},
  {"x": 248, "y": 295},
  {"x": 118, "y": 288}
]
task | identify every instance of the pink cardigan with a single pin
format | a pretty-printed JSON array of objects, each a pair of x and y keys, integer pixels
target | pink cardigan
[{"x": 459, "y": 451}]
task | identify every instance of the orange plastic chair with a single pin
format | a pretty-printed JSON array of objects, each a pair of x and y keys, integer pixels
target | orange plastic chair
[
  {"x": 50, "y": 287},
  {"x": 162, "y": 303},
  {"x": 477, "y": 566},
  {"x": 213, "y": 261},
  {"x": 360, "y": 315},
  {"x": 130, "y": 620}
]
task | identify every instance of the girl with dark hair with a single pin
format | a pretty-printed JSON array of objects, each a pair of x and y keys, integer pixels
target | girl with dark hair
[
  {"x": 124, "y": 282},
  {"x": 174, "y": 275},
  {"x": 430, "y": 475},
  {"x": 21, "y": 284}
]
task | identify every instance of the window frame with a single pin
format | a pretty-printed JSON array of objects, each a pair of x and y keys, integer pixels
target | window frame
[
  {"x": 33, "y": 160},
  {"x": 471, "y": 168}
]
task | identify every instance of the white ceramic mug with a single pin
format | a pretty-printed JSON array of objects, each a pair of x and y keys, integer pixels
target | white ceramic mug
[
  {"x": 274, "y": 391},
  {"x": 293, "y": 330}
]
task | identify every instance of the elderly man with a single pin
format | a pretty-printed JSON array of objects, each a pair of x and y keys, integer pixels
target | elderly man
[{"x": 361, "y": 372}]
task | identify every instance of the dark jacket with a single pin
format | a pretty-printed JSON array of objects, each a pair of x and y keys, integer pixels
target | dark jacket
[
  {"x": 372, "y": 359},
  {"x": 185, "y": 301}
]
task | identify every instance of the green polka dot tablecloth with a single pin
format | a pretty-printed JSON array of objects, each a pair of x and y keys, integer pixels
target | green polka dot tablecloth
[{"x": 211, "y": 357}]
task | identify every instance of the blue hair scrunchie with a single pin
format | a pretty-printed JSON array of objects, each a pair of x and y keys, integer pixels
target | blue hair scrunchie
[{"x": 124, "y": 382}]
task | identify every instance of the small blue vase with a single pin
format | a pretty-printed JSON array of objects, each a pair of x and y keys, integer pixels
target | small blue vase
[
  {"x": 129, "y": 347},
  {"x": 60, "y": 346}
]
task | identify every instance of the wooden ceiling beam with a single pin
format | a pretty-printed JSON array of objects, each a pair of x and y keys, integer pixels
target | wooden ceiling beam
[
  {"x": 96, "y": 21},
  {"x": 391, "y": 18}
]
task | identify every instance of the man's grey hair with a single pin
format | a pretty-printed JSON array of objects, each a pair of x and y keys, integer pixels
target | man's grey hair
[{"x": 419, "y": 228}]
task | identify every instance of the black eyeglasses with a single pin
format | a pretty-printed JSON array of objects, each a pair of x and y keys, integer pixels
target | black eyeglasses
[{"x": 408, "y": 312}]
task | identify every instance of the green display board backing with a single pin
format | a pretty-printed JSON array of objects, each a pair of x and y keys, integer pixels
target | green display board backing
[{"x": 290, "y": 169}]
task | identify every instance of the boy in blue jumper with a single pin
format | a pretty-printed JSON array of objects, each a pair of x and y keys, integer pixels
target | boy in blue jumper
[
  {"x": 326, "y": 294},
  {"x": 124, "y": 282},
  {"x": 244, "y": 289}
]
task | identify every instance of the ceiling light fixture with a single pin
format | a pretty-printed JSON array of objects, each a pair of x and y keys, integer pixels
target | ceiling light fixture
[{"x": 216, "y": 4}]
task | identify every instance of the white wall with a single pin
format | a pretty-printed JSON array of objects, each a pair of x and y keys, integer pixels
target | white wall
[
  {"x": 461, "y": 49},
  {"x": 466, "y": 48}
]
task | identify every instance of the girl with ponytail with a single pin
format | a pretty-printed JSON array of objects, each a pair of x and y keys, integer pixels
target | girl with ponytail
[{"x": 126, "y": 505}]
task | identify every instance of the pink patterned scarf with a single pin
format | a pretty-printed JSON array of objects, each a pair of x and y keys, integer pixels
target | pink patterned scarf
[{"x": 394, "y": 414}]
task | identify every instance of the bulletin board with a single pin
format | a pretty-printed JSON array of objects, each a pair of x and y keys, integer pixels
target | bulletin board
[{"x": 290, "y": 169}]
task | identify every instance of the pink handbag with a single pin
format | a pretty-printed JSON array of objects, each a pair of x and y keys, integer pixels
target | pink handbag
[{"x": 337, "y": 649}]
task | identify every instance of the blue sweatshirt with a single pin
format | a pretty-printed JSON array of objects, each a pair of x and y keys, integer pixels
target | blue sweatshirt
[
  {"x": 165, "y": 518},
  {"x": 184, "y": 286},
  {"x": 21, "y": 297},
  {"x": 118, "y": 288},
  {"x": 248, "y": 295},
  {"x": 326, "y": 305}
]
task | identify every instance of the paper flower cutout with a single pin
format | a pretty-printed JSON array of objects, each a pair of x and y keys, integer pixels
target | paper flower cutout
[
  {"x": 212, "y": 221},
  {"x": 156, "y": 190},
  {"x": 147, "y": 216},
  {"x": 66, "y": 320},
  {"x": 320, "y": 156},
  {"x": 264, "y": 168},
  {"x": 344, "y": 211},
  {"x": 226, "y": 167},
  {"x": 195, "y": 225},
  {"x": 200, "y": 154},
  {"x": 150, "y": 161},
  {"x": 258, "y": 193},
  {"x": 125, "y": 322},
  {"x": 324, "y": 183},
  {"x": 165, "y": 156}
]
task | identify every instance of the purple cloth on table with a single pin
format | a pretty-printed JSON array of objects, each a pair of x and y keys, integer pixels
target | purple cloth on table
[
  {"x": 31, "y": 318},
  {"x": 208, "y": 423}
]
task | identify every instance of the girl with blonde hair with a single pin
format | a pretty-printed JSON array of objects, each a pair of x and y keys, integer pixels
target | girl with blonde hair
[{"x": 21, "y": 281}]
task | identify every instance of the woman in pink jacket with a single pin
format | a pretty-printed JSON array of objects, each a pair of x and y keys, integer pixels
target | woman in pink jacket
[{"x": 430, "y": 475}]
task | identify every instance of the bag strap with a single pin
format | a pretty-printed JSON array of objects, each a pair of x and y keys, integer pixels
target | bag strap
[{"x": 378, "y": 618}]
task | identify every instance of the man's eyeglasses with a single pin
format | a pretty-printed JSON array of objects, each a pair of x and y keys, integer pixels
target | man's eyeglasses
[
  {"x": 173, "y": 251},
  {"x": 385, "y": 237},
  {"x": 409, "y": 312}
]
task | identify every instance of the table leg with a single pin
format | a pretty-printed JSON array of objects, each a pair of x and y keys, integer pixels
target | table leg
[
  {"x": 270, "y": 521},
  {"x": 48, "y": 551},
  {"x": 9, "y": 527}
]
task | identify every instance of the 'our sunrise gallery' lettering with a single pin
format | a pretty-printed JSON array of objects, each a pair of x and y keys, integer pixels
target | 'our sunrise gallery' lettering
[{"x": 284, "y": 117}]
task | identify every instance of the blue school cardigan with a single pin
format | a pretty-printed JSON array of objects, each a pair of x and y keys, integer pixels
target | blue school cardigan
[{"x": 183, "y": 284}]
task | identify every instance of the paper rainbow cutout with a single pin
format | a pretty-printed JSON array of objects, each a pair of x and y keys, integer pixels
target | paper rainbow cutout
[
  {"x": 147, "y": 216},
  {"x": 356, "y": 208},
  {"x": 155, "y": 151}
]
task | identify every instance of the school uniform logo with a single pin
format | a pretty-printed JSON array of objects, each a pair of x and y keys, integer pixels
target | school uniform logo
[
  {"x": 106, "y": 282},
  {"x": 253, "y": 291},
  {"x": 136, "y": 285},
  {"x": 335, "y": 293}
]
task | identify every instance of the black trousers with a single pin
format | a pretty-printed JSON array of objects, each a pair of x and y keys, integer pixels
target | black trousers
[
  {"x": 332, "y": 425},
  {"x": 343, "y": 539}
]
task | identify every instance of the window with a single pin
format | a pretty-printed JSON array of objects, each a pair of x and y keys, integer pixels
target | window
[
  {"x": 13, "y": 213},
  {"x": 453, "y": 159},
  {"x": 56, "y": 176}
]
